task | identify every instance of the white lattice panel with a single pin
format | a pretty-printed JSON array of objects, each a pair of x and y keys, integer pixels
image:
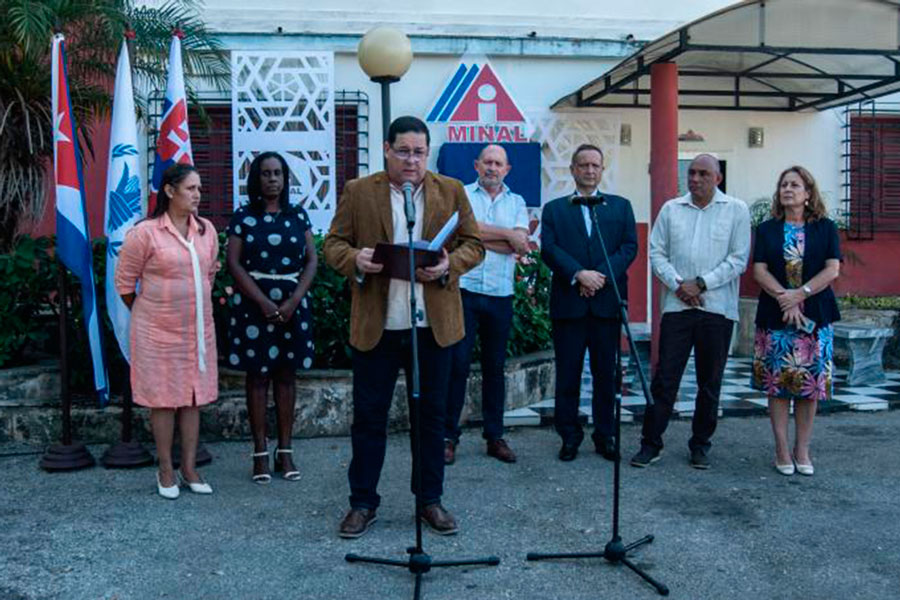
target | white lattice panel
[
  {"x": 560, "y": 133},
  {"x": 284, "y": 102}
]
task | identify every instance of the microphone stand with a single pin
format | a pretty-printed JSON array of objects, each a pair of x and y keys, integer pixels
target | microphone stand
[
  {"x": 615, "y": 550},
  {"x": 419, "y": 562}
]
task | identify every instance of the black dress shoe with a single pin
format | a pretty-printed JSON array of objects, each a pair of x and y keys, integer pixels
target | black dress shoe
[
  {"x": 605, "y": 447},
  {"x": 568, "y": 452}
]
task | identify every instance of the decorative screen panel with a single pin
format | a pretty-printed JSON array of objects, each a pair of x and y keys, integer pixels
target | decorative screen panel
[
  {"x": 284, "y": 102},
  {"x": 560, "y": 133}
]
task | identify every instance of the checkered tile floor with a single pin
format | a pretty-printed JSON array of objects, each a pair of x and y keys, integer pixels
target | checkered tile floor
[{"x": 737, "y": 397}]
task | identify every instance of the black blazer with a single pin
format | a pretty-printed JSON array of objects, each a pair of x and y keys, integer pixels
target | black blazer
[
  {"x": 822, "y": 243},
  {"x": 566, "y": 249}
]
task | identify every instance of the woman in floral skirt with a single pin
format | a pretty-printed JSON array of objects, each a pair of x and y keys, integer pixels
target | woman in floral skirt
[{"x": 795, "y": 259}]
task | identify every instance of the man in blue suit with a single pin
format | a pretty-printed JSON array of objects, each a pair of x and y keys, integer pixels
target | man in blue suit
[{"x": 583, "y": 305}]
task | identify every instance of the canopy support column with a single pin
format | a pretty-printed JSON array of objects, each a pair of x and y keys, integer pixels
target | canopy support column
[{"x": 663, "y": 166}]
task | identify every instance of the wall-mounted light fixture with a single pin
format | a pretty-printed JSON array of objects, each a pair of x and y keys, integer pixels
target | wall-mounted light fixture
[
  {"x": 625, "y": 134},
  {"x": 755, "y": 137}
]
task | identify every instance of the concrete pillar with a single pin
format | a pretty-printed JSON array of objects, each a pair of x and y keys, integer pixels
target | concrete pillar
[{"x": 663, "y": 165}]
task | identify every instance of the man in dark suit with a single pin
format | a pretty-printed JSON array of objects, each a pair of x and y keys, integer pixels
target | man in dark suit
[
  {"x": 371, "y": 210},
  {"x": 583, "y": 305}
]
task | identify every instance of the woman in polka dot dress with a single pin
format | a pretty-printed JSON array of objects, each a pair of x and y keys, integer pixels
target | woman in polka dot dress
[{"x": 272, "y": 256}]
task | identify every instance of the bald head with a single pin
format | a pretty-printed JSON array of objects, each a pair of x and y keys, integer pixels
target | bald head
[
  {"x": 492, "y": 167},
  {"x": 707, "y": 161},
  {"x": 704, "y": 176},
  {"x": 493, "y": 149}
]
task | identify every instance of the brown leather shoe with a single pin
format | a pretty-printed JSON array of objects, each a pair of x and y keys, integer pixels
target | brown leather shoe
[
  {"x": 449, "y": 452},
  {"x": 356, "y": 522},
  {"x": 501, "y": 451},
  {"x": 439, "y": 520}
]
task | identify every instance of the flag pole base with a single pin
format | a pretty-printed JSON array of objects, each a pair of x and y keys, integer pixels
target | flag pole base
[
  {"x": 66, "y": 457},
  {"x": 126, "y": 455}
]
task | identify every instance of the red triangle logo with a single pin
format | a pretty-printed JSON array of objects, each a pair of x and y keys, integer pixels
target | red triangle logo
[{"x": 486, "y": 100}]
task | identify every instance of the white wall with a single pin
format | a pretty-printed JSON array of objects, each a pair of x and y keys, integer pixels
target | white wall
[
  {"x": 809, "y": 139},
  {"x": 594, "y": 19}
]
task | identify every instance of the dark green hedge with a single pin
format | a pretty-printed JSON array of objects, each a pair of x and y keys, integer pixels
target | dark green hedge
[{"x": 29, "y": 310}]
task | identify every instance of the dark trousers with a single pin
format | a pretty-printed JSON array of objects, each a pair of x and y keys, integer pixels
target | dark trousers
[
  {"x": 571, "y": 337},
  {"x": 489, "y": 317},
  {"x": 710, "y": 337},
  {"x": 374, "y": 378}
]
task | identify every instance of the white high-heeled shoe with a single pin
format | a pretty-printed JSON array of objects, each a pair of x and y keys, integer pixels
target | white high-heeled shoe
[
  {"x": 261, "y": 478},
  {"x": 171, "y": 492},
  {"x": 197, "y": 487},
  {"x": 805, "y": 469},
  {"x": 293, "y": 475},
  {"x": 787, "y": 469}
]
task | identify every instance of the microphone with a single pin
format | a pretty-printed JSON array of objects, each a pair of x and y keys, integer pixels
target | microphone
[
  {"x": 588, "y": 201},
  {"x": 409, "y": 206}
]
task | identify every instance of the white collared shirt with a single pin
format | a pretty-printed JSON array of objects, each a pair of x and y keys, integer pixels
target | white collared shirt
[
  {"x": 495, "y": 275},
  {"x": 586, "y": 212},
  {"x": 398, "y": 290},
  {"x": 711, "y": 242}
]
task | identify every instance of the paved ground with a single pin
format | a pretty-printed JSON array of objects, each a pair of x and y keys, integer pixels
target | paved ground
[{"x": 737, "y": 531}]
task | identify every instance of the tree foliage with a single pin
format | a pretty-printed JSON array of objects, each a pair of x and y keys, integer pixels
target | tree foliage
[{"x": 94, "y": 31}]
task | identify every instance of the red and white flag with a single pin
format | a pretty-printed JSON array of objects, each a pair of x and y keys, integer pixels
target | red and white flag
[{"x": 174, "y": 142}]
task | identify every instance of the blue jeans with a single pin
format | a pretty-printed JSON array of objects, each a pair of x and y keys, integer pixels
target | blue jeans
[
  {"x": 491, "y": 317},
  {"x": 374, "y": 378}
]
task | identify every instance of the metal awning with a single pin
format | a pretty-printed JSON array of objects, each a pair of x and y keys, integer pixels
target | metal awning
[{"x": 768, "y": 55}]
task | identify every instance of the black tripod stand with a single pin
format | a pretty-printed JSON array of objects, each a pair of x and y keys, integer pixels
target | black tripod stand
[
  {"x": 418, "y": 562},
  {"x": 615, "y": 550}
]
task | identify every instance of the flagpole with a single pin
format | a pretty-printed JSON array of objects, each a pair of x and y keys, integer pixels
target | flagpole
[
  {"x": 126, "y": 453},
  {"x": 68, "y": 455},
  {"x": 65, "y": 394}
]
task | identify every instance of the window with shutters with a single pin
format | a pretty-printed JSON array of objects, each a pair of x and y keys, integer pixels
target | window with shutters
[{"x": 872, "y": 194}]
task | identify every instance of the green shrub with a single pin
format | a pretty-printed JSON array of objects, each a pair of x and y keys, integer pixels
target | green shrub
[
  {"x": 27, "y": 279},
  {"x": 873, "y": 303},
  {"x": 28, "y": 287},
  {"x": 531, "y": 328},
  {"x": 330, "y": 298}
]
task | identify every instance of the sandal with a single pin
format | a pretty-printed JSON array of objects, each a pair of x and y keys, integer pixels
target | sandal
[
  {"x": 293, "y": 475},
  {"x": 262, "y": 478}
]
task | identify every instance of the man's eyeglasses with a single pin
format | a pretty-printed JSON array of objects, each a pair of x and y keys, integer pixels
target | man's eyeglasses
[{"x": 417, "y": 155}]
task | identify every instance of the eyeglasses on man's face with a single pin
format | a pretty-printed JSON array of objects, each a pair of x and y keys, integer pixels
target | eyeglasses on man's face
[{"x": 415, "y": 154}]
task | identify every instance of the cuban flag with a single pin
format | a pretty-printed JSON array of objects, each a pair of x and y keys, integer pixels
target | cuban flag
[
  {"x": 73, "y": 240},
  {"x": 123, "y": 193},
  {"x": 174, "y": 143}
]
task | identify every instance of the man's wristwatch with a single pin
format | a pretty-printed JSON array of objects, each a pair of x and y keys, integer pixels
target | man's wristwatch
[
  {"x": 807, "y": 290},
  {"x": 700, "y": 284}
]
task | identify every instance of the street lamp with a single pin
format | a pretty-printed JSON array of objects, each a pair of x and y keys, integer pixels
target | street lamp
[{"x": 384, "y": 55}]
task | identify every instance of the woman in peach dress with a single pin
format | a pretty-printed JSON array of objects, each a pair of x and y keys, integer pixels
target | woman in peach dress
[{"x": 165, "y": 273}]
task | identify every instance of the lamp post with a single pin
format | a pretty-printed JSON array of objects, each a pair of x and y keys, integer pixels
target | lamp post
[{"x": 384, "y": 55}]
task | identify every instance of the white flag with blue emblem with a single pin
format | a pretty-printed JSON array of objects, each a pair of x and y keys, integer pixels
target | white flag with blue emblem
[{"x": 123, "y": 193}]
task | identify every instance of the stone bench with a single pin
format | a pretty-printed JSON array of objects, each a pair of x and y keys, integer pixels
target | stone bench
[{"x": 866, "y": 346}]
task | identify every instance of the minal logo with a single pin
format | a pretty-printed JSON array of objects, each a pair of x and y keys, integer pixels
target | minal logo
[{"x": 475, "y": 96}]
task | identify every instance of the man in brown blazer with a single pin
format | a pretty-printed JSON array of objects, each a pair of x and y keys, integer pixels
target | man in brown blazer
[{"x": 371, "y": 210}]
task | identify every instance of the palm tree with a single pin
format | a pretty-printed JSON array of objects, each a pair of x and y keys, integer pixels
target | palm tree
[{"x": 94, "y": 30}]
